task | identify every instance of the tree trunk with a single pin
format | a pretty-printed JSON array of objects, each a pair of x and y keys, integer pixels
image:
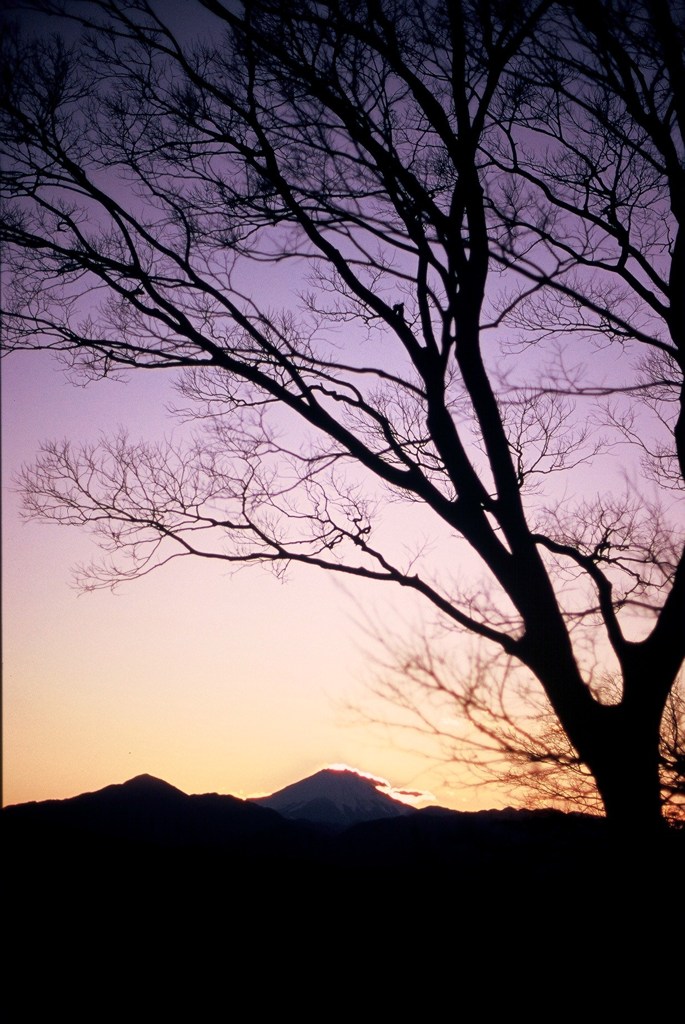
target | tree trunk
[
  {"x": 625, "y": 765},
  {"x": 619, "y": 743}
]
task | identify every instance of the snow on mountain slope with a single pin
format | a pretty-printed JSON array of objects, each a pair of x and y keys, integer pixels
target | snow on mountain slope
[{"x": 335, "y": 797}]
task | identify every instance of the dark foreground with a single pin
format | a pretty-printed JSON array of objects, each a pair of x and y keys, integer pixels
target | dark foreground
[{"x": 164, "y": 891}]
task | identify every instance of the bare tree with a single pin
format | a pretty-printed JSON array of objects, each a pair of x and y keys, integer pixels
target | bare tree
[
  {"x": 489, "y": 718},
  {"x": 483, "y": 204}
]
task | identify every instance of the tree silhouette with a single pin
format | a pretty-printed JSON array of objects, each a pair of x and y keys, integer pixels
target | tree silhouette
[{"x": 481, "y": 206}]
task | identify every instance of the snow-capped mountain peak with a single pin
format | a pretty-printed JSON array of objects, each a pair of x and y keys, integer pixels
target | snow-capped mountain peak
[{"x": 339, "y": 797}]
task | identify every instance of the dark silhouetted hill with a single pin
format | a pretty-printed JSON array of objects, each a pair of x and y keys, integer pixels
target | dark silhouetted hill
[
  {"x": 139, "y": 880},
  {"x": 148, "y": 816},
  {"x": 146, "y": 844}
]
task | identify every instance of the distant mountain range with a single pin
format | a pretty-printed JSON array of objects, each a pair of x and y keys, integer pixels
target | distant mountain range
[
  {"x": 334, "y": 798},
  {"x": 332, "y": 817},
  {"x": 330, "y": 848}
]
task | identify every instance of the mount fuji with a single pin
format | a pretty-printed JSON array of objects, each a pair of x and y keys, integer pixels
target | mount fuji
[{"x": 337, "y": 798}]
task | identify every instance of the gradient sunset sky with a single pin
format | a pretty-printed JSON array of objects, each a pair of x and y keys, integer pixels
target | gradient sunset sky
[
  {"x": 232, "y": 683},
  {"x": 237, "y": 683}
]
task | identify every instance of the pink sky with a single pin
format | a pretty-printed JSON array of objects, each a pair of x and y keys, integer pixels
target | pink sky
[{"x": 237, "y": 684}]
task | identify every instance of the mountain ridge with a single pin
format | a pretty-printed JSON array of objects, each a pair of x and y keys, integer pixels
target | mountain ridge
[
  {"x": 128, "y": 833},
  {"x": 143, "y": 851}
]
